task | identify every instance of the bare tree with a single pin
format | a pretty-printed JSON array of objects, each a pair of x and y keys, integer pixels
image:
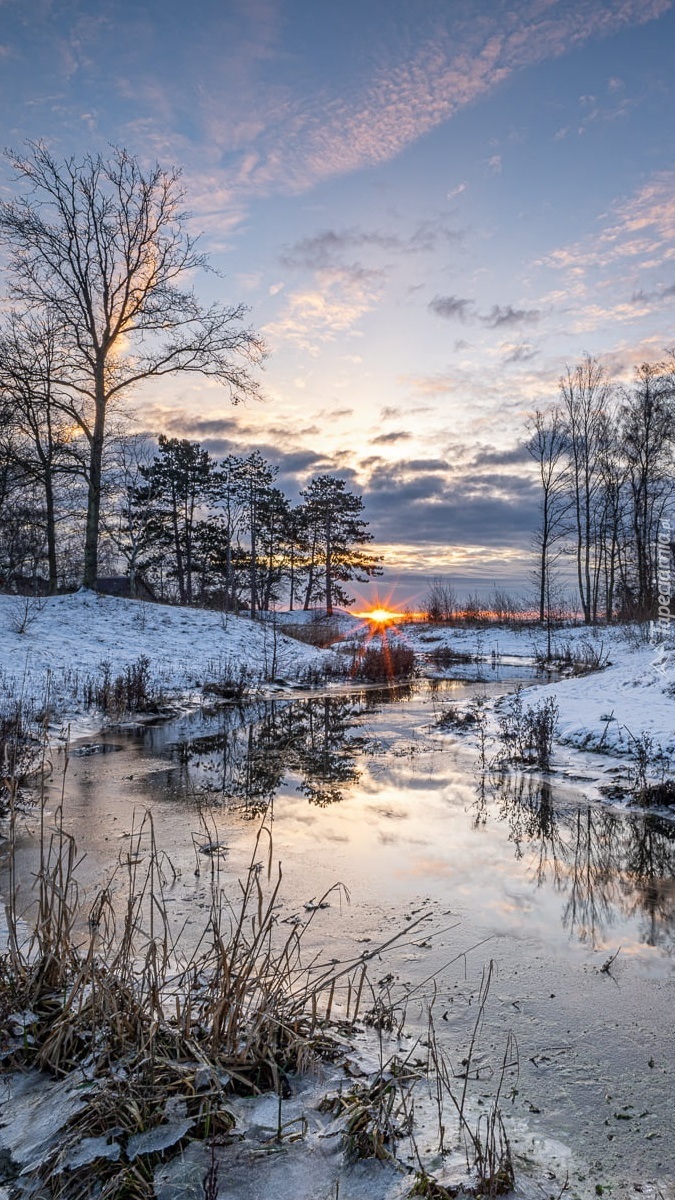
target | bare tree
[
  {"x": 547, "y": 445},
  {"x": 585, "y": 395},
  {"x": 43, "y": 447},
  {"x": 102, "y": 248},
  {"x": 648, "y": 442}
]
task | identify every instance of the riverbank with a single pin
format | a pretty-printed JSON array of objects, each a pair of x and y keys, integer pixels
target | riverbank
[
  {"x": 55, "y": 651},
  {"x": 615, "y": 687}
]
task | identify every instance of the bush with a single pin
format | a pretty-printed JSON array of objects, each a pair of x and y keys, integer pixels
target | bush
[
  {"x": 527, "y": 734},
  {"x": 378, "y": 664},
  {"x": 454, "y": 718},
  {"x": 131, "y": 691},
  {"x": 581, "y": 658},
  {"x": 440, "y": 602},
  {"x": 227, "y": 680}
]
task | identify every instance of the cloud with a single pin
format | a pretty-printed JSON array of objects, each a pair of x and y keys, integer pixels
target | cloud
[
  {"x": 186, "y": 425},
  {"x": 331, "y": 307},
  {"x": 320, "y": 250},
  {"x": 426, "y": 508},
  {"x": 451, "y": 306},
  {"x": 520, "y": 353},
  {"x": 640, "y": 231},
  {"x": 267, "y": 128},
  {"x": 510, "y": 456},
  {"x": 499, "y": 316},
  {"x": 396, "y": 435},
  {"x": 329, "y": 247},
  {"x": 410, "y": 94}
]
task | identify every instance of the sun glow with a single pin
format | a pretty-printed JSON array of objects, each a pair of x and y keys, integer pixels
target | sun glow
[{"x": 381, "y": 616}]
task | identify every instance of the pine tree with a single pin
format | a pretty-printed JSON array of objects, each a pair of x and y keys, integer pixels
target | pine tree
[
  {"x": 337, "y": 536},
  {"x": 179, "y": 483}
]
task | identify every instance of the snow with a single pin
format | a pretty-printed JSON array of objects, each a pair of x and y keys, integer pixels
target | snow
[
  {"x": 340, "y": 619},
  {"x": 65, "y": 640},
  {"x": 604, "y": 710},
  {"x": 610, "y": 709}
]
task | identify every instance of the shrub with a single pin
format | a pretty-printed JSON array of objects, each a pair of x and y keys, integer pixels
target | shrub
[
  {"x": 131, "y": 691},
  {"x": 380, "y": 663},
  {"x": 440, "y": 602},
  {"x": 527, "y": 734},
  {"x": 580, "y": 659}
]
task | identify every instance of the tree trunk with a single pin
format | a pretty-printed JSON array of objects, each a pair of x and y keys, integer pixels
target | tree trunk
[
  {"x": 180, "y": 566},
  {"x": 253, "y": 568},
  {"x": 543, "y": 565},
  {"x": 51, "y": 534},
  {"x": 329, "y": 574},
  {"x": 94, "y": 492},
  {"x": 229, "y": 586}
]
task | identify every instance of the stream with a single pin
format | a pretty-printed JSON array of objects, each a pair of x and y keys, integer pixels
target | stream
[{"x": 521, "y": 868}]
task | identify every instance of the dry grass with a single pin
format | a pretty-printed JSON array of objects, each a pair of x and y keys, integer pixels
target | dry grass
[
  {"x": 322, "y": 632},
  {"x": 132, "y": 691},
  {"x": 163, "y": 1039},
  {"x": 376, "y": 1115},
  {"x": 381, "y": 664},
  {"x": 21, "y": 752}
]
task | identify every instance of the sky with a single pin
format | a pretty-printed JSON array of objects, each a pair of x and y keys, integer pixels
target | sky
[{"x": 430, "y": 208}]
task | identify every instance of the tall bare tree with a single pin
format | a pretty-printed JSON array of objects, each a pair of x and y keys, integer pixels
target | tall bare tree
[
  {"x": 101, "y": 246},
  {"x": 648, "y": 438},
  {"x": 43, "y": 447},
  {"x": 585, "y": 394},
  {"x": 547, "y": 445}
]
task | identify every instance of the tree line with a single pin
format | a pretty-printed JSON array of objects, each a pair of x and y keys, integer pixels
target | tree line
[
  {"x": 219, "y": 531},
  {"x": 605, "y": 458},
  {"x": 99, "y": 263}
]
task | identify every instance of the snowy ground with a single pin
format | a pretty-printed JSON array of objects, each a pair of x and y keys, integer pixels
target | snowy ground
[
  {"x": 607, "y": 709},
  {"x": 59, "y": 643},
  {"x": 54, "y": 645}
]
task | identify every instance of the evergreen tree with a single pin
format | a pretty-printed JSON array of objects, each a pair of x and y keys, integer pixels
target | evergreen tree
[
  {"x": 257, "y": 478},
  {"x": 337, "y": 534},
  {"x": 179, "y": 483}
]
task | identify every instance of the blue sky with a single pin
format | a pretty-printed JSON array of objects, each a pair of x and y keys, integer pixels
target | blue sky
[{"x": 430, "y": 209}]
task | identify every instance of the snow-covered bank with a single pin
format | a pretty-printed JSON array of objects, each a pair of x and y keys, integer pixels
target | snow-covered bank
[
  {"x": 59, "y": 643},
  {"x": 609, "y": 709},
  {"x": 56, "y": 643},
  {"x": 633, "y": 694}
]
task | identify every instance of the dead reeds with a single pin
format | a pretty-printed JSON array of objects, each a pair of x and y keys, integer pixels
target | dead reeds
[
  {"x": 105, "y": 995},
  {"x": 104, "y": 992}
]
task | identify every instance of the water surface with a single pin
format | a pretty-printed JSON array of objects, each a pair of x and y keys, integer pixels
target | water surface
[{"x": 365, "y": 788}]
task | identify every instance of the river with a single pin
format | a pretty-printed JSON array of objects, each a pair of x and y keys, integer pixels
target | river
[{"x": 366, "y": 788}]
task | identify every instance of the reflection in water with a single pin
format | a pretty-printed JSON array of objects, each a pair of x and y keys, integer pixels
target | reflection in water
[
  {"x": 252, "y": 754},
  {"x": 607, "y": 866},
  {"x": 604, "y": 862}
]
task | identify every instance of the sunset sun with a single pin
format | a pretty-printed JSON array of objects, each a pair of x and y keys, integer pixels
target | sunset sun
[{"x": 381, "y": 616}]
